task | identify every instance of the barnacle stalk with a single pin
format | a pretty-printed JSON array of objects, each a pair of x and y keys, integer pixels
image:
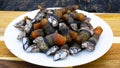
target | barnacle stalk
[{"x": 91, "y": 43}]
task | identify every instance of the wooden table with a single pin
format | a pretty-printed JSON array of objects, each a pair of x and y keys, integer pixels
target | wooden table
[{"x": 110, "y": 60}]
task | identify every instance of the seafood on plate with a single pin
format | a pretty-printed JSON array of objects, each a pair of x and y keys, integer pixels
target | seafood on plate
[{"x": 58, "y": 32}]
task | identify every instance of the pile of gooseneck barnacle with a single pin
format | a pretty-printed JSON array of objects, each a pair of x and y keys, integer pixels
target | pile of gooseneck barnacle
[{"x": 58, "y": 32}]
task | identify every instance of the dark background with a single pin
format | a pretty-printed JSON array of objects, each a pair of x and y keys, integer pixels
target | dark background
[{"x": 112, "y": 6}]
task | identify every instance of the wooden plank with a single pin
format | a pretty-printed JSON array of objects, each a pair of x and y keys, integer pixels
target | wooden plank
[
  {"x": 110, "y": 60},
  {"x": 7, "y": 16},
  {"x": 115, "y": 50},
  {"x": 112, "y": 19},
  {"x": 116, "y": 40},
  {"x": 15, "y": 64},
  {"x": 4, "y": 52}
]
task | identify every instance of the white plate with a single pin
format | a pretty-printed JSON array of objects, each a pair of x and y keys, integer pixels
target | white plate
[{"x": 15, "y": 46}]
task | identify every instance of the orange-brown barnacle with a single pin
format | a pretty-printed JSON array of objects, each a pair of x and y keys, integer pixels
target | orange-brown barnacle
[
  {"x": 98, "y": 30},
  {"x": 83, "y": 36},
  {"x": 79, "y": 39},
  {"x": 65, "y": 17},
  {"x": 37, "y": 26},
  {"x": 79, "y": 16},
  {"x": 59, "y": 39},
  {"x": 37, "y": 33},
  {"x": 59, "y": 13},
  {"x": 73, "y": 34},
  {"x": 63, "y": 10},
  {"x": 43, "y": 22},
  {"x": 74, "y": 7}
]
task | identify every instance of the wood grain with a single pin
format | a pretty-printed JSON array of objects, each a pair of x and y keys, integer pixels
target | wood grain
[
  {"x": 6, "y": 17},
  {"x": 110, "y": 60},
  {"x": 15, "y": 64},
  {"x": 112, "y": 19}
]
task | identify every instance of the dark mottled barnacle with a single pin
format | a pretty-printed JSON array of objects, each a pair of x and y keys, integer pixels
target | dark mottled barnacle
[
  {"x": 21, "y": 35},
  {"x": 84, "y": 34},
  {"x": 29, "y": 33},
  {"x": 53, "y": 21},
  {"x": 21, "y": 24},
  {"x": 61, "y": 54},
  {"x": 86, "y": 23},
  {"x": 78, "y": 24},
  {"x": 74, "y": 26},
  {"x": 68, "y": 19},
  {"x": 64, "y": 30},
  {"x": 33, "y": 48},
  {"x": 57, "y": 14},
  {"x": 40, "y": 14},
  {"x": 49, "y": 13},
  {"x": 72, "y": 14},
  {"x": 28, "y": 25},
  {"x": 75, "y": 48},
  {"x": 25, "y": 42},
  {"x": 52, "y": 50},
  {"x": 90, "y": 44},
  {"x": 39, "y": 41},
  {"x": 48, "y": 29},
  {"x": 87, "y": 19},
  {"x": 65, "y": 46},
  {"x": 49, "y": 40}
]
